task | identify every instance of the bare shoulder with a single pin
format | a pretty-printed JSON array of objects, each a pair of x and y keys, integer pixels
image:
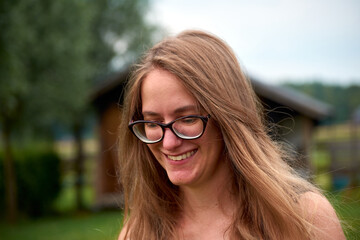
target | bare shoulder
[
  {"x": 122, "y": 234},
  {"x": 318, "y": 211}
]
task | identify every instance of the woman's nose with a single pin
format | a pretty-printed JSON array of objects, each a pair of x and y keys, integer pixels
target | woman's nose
[{"x": 170, "y": 140}]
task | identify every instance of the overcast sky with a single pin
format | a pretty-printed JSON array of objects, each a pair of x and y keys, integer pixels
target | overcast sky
[{"x": 276, "y": 40}]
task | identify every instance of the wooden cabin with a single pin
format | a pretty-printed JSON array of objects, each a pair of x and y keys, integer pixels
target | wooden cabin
[{"x": 295, "y": 113}]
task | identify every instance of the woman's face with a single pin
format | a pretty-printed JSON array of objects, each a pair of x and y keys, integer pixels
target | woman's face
[{"x": 187, "y": 162}]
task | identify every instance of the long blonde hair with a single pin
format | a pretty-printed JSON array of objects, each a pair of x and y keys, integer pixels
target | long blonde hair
[{"x": 267, "y": 189}]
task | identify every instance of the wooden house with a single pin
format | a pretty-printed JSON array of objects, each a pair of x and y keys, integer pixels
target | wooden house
[{"x": 295, "y": 113}]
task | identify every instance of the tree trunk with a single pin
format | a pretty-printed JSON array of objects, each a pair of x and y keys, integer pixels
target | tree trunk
[
  {"x": 10, "y": 179},
  {"x": 355, "y": 155},
  {"x": 79, "y": 166}
]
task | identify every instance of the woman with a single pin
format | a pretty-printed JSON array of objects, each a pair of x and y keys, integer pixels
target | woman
[{"x": 197, "y": 162}]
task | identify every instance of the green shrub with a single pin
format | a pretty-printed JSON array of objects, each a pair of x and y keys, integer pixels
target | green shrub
[{"x": 38, "y": 180}]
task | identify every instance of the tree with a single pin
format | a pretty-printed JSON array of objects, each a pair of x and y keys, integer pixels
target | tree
[
  {"x": 344, "y": 99},
  {"x": 119, "y": 33},
  {"x": 44, "y": 66},
  {"x": 50, "y": 54}
]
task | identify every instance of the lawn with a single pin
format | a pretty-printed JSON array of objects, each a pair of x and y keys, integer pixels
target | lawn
[{"x": 84, "y": 226}]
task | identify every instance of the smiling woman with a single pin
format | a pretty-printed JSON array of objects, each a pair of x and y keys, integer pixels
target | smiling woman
[
  {"x": 191, "y": 159},
  {"x": 197, "y": 162}
]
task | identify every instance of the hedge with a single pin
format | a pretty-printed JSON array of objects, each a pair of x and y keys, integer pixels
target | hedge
[{"x": 38, "y": 180}]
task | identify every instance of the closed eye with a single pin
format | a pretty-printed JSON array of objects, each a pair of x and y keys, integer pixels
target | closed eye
[
  {"x": 151, "y": 125},
  {"x": 189, "y": 120}
]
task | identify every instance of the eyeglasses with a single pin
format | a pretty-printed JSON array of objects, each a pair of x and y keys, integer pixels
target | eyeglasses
[{"x": 187, "y": 127}]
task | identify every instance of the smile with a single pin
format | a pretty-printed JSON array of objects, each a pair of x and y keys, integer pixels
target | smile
[{"x": 182, "y": 156}]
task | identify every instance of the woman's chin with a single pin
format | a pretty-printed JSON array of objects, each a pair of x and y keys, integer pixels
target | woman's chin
[{"x": 180, "y": 180}]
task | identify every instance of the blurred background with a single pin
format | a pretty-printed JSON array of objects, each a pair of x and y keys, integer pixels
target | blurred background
[{"x": 63, "y": 66}]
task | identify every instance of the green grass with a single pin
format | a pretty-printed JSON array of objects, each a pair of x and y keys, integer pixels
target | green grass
[
  {"x": 85, "y": 226},
  {"x": 320, "y": 161},
  {"x": 65, "y": 202}
]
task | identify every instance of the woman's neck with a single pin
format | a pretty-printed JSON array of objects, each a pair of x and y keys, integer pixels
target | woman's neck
[
  {"x": 212, "y": 196},
  {"x": 207, "y": 210}
]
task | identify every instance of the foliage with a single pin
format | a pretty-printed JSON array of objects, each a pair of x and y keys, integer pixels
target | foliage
[
  {"x": 120, "y": 32},
  {"x": 65, "y": 203},
  {"x": 51, "y": 53},
  {"x": 38, "y": 178},
  {"x": 85, "y": 226},
  {"x": 45, "y": 66},
  {"x": 344, "y": 99}
]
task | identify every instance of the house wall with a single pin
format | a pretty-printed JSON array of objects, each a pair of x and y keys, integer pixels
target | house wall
[
  {"x": 106, "y": 184},
  {"x": 297, "y": 132}
]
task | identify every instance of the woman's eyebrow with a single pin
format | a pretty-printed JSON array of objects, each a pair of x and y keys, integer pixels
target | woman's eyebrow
[
  {"x": 150, "y": 114},
  {"x": 186, "y": 109},
  {"x": 176, "y": 111}
]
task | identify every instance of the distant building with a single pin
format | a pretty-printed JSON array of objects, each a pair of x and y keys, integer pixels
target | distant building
[{"x": 295, "y": 113}]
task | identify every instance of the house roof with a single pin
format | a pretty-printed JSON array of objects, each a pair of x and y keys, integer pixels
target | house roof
[
  {"x": 109, "y": 84},
  {"x": 293, "y": 99},
  {"x": 112, "y": 90}
]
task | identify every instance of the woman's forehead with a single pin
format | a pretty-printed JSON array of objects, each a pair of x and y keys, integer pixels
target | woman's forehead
[{"x": 163, "y": 91}]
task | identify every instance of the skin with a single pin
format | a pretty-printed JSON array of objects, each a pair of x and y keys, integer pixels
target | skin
[{"x": 319, "y": 212}]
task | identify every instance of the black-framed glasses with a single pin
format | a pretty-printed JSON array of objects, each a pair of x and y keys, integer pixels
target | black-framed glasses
[{"x": 187, "y": 127}]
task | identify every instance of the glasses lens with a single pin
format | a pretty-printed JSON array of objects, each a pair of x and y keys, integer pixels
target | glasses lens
[
  {"x": 148, "y": 132},
  {"x": 189, "y": 128}
]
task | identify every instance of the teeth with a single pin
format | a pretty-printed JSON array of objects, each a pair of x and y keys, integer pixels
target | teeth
[{"x": 181, "y": 157}]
